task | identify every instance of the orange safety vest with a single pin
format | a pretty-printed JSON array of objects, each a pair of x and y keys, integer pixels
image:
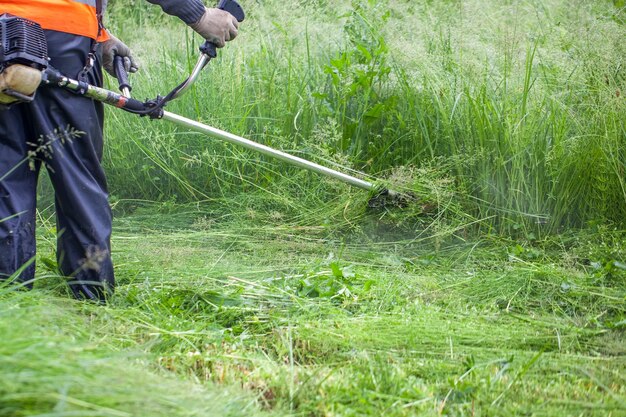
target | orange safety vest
[{"x": 70, "y": 16}]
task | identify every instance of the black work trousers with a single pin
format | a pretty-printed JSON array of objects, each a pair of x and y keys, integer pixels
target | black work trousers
[{"x": 62, "y": 132}]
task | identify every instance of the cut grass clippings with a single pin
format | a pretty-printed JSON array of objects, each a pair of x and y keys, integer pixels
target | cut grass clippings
[{"x": 243, "y": 319}]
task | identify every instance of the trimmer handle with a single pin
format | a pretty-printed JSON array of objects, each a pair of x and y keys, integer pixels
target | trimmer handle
[
  {"x": 121, "y": 75},
  {"x": 232, "y": 7}
]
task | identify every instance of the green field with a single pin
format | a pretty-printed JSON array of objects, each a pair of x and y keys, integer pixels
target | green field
[{"x": 247, "y": 287}]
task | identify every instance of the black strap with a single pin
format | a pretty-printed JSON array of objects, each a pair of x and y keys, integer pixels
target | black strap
[
  {"x": 91, "y": 57},
  {"x": 99, "y": 16}
]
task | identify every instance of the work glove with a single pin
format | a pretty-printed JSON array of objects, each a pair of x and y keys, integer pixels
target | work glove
[
  {"x": 216, "y": 26},
  {"x": 114, "y": 47}
]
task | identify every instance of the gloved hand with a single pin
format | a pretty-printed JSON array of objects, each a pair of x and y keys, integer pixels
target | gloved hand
[
  {"x": 114, "y": 47},
  {"x": 216, "y": 26}
]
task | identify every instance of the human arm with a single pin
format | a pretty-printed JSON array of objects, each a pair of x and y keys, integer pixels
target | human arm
[
  {"x": 189, "y": 11},
  {"x": 215, "y": 25}
]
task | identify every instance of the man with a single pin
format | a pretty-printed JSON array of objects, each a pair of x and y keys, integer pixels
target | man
[{"x": 63, "y": 132}]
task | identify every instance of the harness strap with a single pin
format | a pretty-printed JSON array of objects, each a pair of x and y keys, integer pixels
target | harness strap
[
  {"x": 99, "y": 12},
  {"x": 91, "y": 57}
]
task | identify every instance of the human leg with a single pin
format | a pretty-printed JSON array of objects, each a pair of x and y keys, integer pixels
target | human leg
[
  {"x": 72, "y": 126},
  {"x": 18, "y": 187}
]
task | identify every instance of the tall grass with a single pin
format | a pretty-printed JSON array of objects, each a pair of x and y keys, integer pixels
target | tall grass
[{"x": 521, "y": 105}]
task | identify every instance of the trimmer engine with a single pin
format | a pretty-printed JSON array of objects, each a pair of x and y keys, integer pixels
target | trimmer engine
[{"x": 23, "y": 58}]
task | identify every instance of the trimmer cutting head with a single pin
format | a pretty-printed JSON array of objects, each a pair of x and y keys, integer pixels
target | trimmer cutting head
[{"x": 386, "y": 198}]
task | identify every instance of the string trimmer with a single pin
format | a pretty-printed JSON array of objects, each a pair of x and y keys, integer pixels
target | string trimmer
[{"x": 24, "y": 68}]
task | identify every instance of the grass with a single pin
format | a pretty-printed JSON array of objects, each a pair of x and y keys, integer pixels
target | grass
[
  {"x": 55, "y": 363},
  {"x": 254, "y": 317},
  {"x": 248, "y": 287},
  {"x": 521, "y": 105}
]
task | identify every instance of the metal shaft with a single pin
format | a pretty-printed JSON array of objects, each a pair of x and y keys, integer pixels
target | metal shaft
[{"x": 266, "y": 150}]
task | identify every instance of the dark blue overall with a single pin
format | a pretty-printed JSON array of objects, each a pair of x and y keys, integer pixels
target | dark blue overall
[{"x": 62, "y": 132}]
